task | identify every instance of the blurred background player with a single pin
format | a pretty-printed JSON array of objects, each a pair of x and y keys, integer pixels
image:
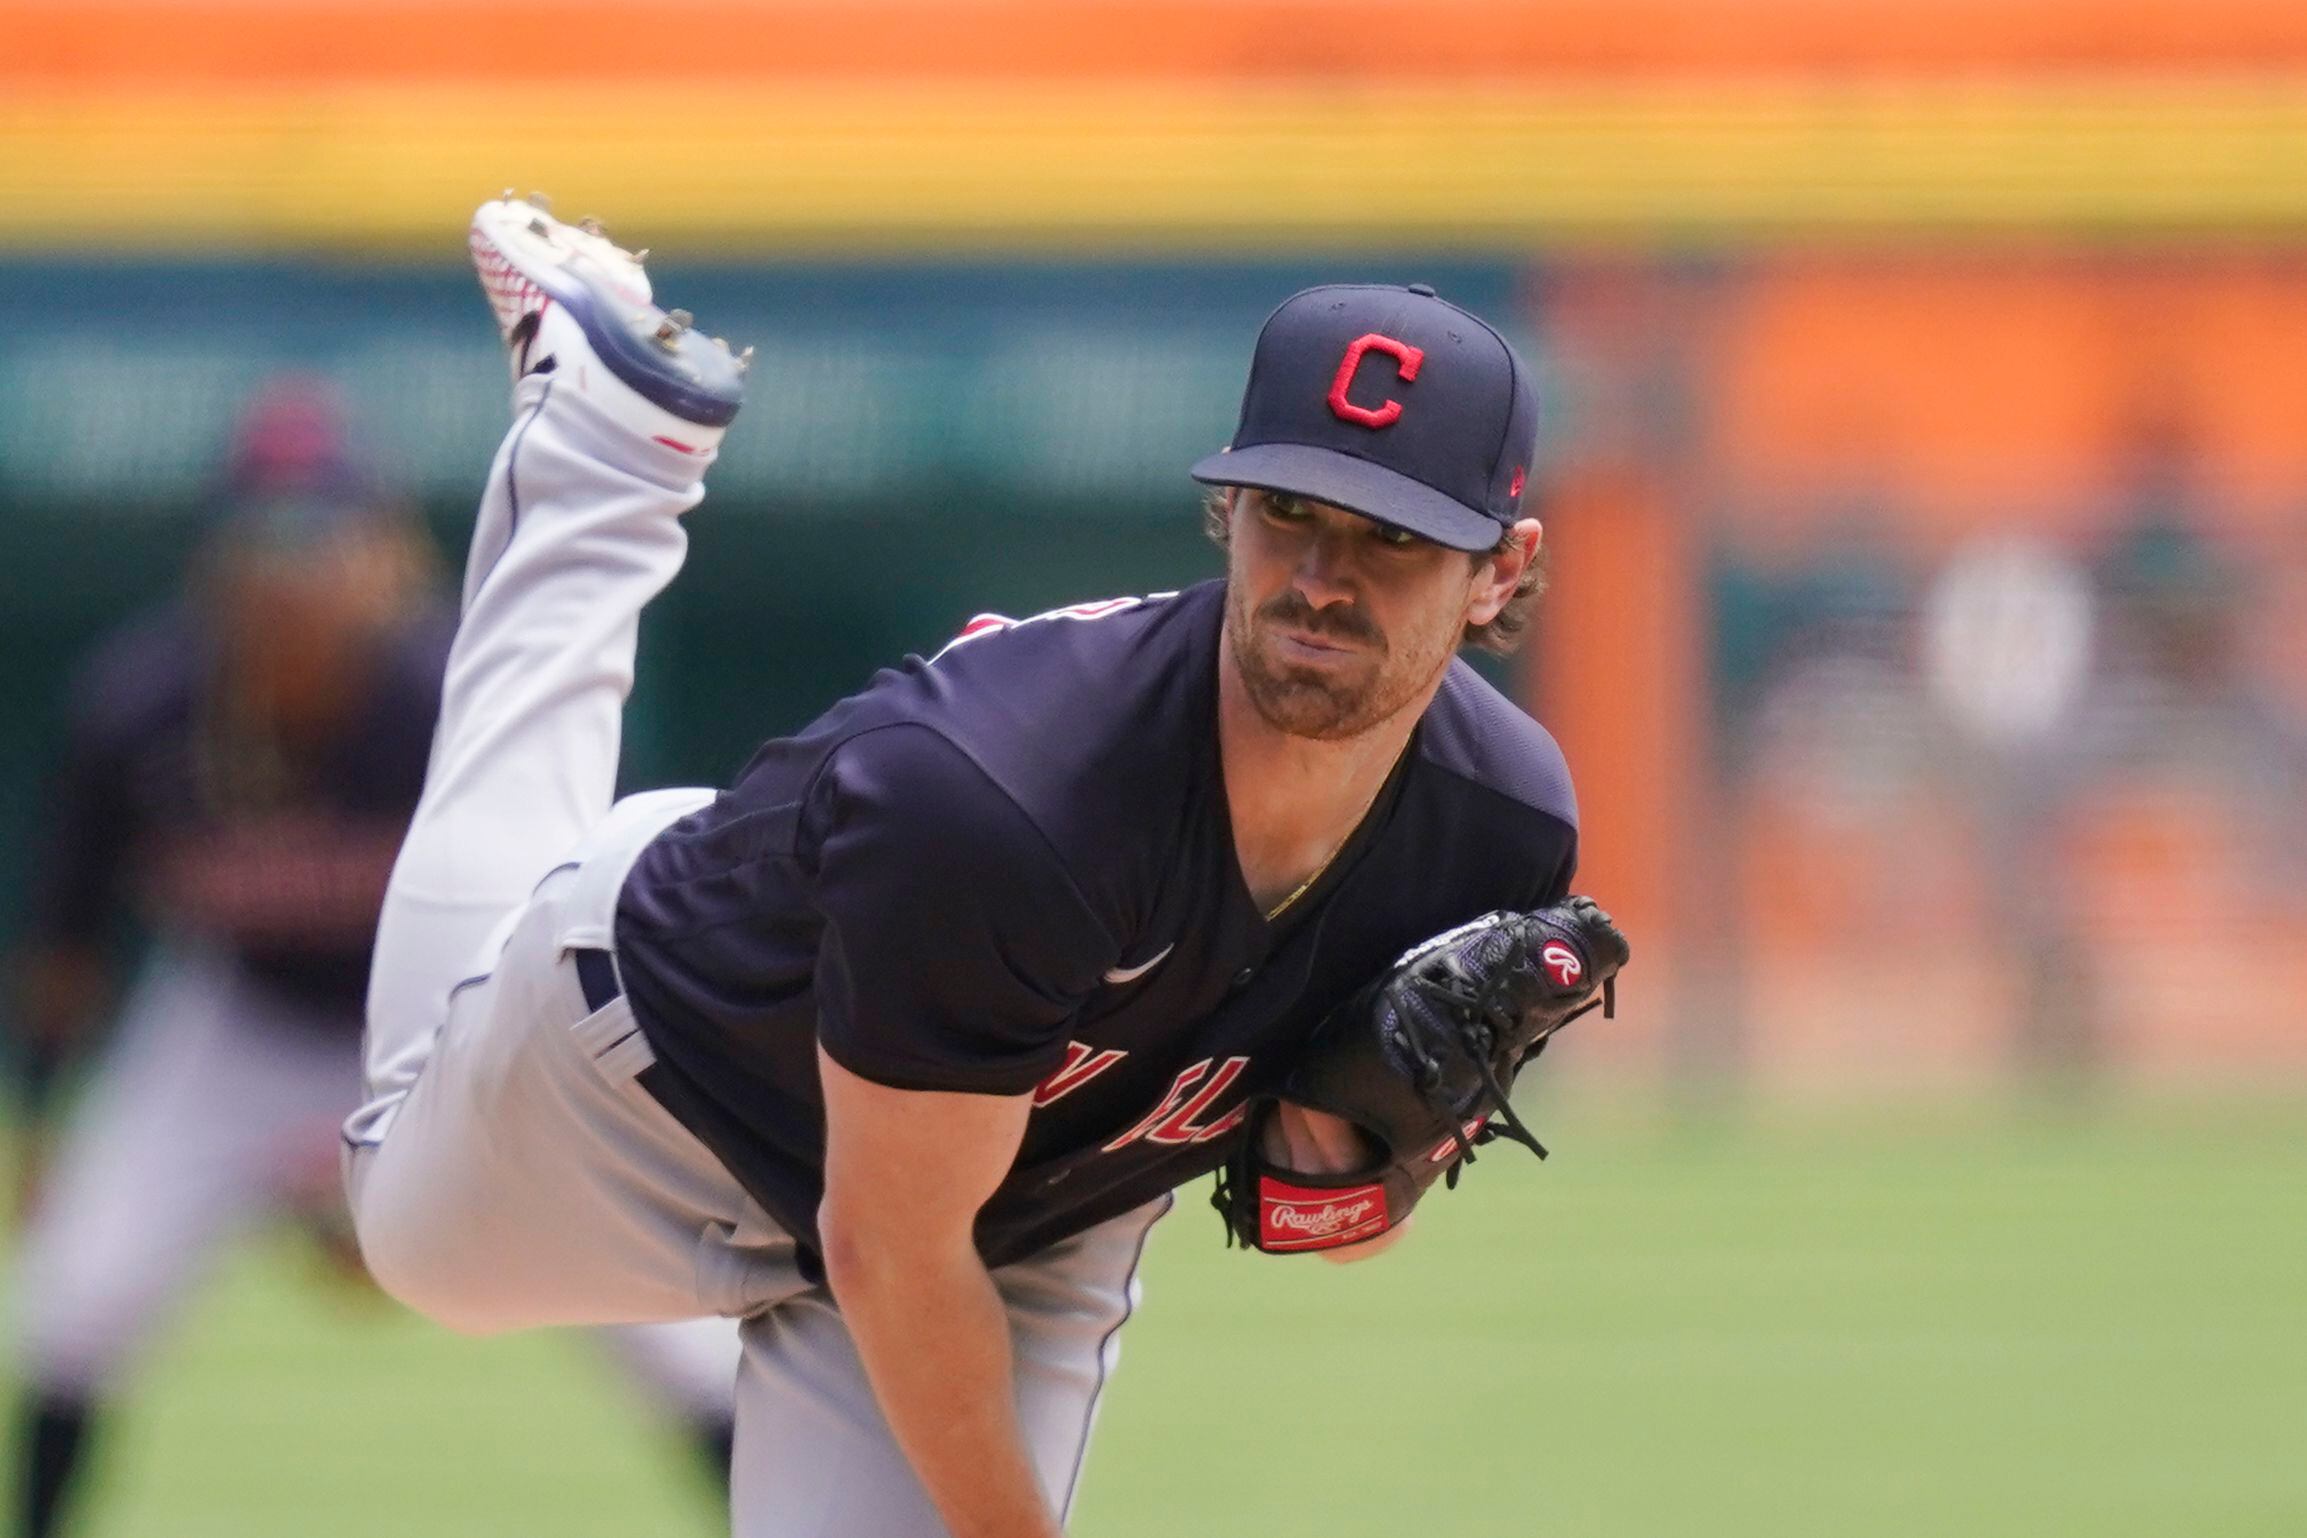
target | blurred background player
[{"x": 242, "y": 763}]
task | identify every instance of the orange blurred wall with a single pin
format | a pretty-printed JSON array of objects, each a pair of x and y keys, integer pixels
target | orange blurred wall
[
  {"x": 1964, "y": 390},
  {"x": 1997, "y": 388},
  {"x": 101, "y": 43}
]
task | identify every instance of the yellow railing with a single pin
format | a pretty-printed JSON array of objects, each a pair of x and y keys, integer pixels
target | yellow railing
[{"x": 1164, "y": 166}]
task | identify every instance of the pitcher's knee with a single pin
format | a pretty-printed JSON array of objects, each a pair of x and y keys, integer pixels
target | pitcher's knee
[{"x": 424, "y": 1268}]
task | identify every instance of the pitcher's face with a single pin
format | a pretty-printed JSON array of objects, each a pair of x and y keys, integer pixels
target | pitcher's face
[{"x": 1338, "y": 622}]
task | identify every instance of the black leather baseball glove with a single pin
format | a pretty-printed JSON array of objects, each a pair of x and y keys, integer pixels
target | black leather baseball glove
[{"x": 1422, "y": 1061}]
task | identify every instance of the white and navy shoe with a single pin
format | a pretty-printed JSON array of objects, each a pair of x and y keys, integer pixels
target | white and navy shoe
[{"x": 571, "y": 303}]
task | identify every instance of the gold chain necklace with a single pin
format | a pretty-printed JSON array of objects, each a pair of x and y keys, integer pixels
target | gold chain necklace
[
  {"x": 1305, "y": 886},
  {"x": 1339, "y": 848}
]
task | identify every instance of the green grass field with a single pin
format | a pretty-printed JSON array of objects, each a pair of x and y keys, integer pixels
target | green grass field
[{"x": 1903, "y": 1325}]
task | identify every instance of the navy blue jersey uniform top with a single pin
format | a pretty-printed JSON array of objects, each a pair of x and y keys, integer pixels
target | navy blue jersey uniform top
[
  {"x": 1010, "y": 869},
  {"x": 276, "y": 856}
]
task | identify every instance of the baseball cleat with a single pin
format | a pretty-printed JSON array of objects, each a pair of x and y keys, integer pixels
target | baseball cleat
[{"x": 570, "y": 302}]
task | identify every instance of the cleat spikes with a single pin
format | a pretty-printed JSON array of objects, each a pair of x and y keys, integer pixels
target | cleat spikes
[
  {"x": 563, "y": 290},
  {"x": 669, "y": 330},
  {"x": 640, "y": 256},
  {"x": 540, "y": 202},
  {"x": 745, "y": 361}
]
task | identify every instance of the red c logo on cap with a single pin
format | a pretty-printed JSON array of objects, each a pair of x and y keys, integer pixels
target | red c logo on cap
[{"x": 1406, "y": 363}]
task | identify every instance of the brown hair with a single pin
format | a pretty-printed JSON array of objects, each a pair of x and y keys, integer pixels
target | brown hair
[{"x": 1502, "y": 634}]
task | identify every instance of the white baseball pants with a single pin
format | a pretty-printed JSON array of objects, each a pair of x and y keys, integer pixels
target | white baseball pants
[{"x": 507, "y": 1171}]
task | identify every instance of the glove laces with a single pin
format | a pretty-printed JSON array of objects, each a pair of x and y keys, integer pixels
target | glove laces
[{"x": 1485, "y": 1019}]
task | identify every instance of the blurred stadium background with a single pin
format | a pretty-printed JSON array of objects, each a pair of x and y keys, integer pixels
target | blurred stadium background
[{"x": 1925, "y": 462}]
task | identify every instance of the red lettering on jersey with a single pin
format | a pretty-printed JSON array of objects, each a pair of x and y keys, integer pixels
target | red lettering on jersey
[
  {"x": 987, "y": 624},
  {"x": 1223, "y": 1124},
  {"x": 1173, "y": 1121},
  {"x": 1178, "y": 1127},
  {"x": 1082, "y": 1064},
  {"x": 1407, "y": 361},
  {"x": 984, "y": 624},
  {"x": 1179, "y": 1089}
]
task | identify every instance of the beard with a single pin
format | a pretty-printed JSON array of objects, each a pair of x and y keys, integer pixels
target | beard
[{"x": 1327, "y": 703}]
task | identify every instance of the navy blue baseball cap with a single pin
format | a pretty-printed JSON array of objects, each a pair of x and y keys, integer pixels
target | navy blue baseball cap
[{"x": 1391, "y": 403}]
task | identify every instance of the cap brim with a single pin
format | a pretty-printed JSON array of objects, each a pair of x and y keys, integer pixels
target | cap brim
[{"x": 1358, "y": 486}]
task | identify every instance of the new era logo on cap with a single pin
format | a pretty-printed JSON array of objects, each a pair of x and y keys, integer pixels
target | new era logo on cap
[{"x": 1389, "y": 402}]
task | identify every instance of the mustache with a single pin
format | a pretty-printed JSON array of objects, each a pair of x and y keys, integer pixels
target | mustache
[{"x": 1341, "y": 622}]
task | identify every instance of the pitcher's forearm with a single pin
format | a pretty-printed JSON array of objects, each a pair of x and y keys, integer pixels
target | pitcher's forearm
[{"x": 935, "y": 1341}]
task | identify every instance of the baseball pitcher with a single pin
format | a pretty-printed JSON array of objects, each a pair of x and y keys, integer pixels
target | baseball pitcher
[{"x": 896, "y": 1047}]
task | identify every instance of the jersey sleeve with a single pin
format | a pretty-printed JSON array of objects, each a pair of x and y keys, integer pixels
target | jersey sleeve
[
  {"x": 956, "y": 946},
  {"x": 1555, "y": 884}
]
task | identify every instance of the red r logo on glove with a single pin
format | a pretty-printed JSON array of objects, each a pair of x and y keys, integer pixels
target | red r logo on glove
[{"x": 1561, "y": 964}]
